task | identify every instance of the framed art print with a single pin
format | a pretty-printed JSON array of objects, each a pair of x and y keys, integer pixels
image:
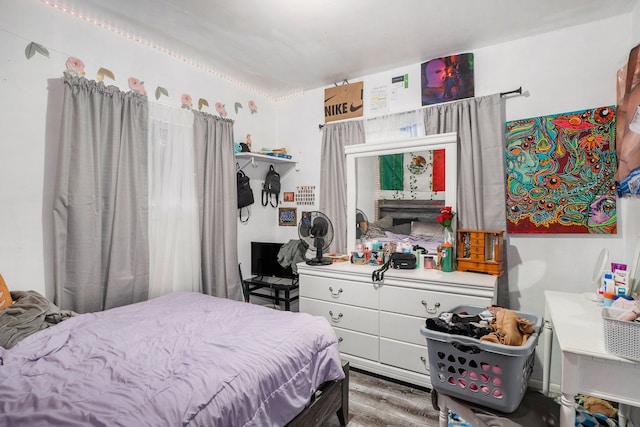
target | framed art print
[
  {"x": 289, "y": 196},
  {"x": 287, "y": 217}
]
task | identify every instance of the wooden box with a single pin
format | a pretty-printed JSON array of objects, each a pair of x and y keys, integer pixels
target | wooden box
[{"x": 480, "y": 251}]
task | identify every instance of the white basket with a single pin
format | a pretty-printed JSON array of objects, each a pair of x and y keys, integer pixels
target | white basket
[{"x": 621, "y": 337}]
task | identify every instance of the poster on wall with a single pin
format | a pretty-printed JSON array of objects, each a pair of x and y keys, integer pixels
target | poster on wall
[
  {"x": 561, "y": 173},
  {"x": 447, "y": 79},
  {"x": 343, "y": 102},
  {"x": 628, "y": 128}
]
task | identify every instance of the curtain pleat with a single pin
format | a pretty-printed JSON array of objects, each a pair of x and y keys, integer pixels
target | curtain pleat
[
  {"x": 100, "y": 198},
  {"x": 333, "y": 177},
  {"x": 217, "y": 202}
]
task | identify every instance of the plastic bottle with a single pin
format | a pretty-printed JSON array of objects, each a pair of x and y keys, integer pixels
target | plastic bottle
[
  {"x": 600, "y": 295},
  {"x": 608, "y": 299},
  {"x": 608, "y": 283}
]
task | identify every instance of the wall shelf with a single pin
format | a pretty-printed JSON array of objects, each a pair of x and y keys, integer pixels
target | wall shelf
[{"x": 256, "y": 165}]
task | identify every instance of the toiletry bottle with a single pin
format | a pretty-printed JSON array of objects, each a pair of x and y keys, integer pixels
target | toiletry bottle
[
  {"x": 609, "y": 284},
  {"x": 600, "y": 295}
]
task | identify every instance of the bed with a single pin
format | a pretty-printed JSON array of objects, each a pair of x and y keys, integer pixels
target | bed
[
  {"x": 413, "y": 221},
  {"x": 179, "y": 359}
]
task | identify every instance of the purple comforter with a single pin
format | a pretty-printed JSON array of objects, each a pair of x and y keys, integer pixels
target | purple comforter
[{"x": 180, "y": 359}]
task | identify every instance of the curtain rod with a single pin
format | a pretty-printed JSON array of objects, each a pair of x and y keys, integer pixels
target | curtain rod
[
  {"x": 518, "y": 91},
  {"x": 509, "y": 92}
]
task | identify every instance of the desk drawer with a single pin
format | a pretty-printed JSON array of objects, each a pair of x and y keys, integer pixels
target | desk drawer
[
  {"x": 406, "y": 356},
  {"x": 402, "y": 328},
  {"x": 343, "y": 316},
  {"x": 416, "y": 302},
  {"x": 339, "y": 291},
  {"x": 357, "y": 344}
]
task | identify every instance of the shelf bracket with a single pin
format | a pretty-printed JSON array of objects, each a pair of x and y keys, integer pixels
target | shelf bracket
[{"x": 246, "y": 163}]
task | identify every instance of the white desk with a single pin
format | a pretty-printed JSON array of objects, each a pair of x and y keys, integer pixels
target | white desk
[{"x": 586, "y": 366}]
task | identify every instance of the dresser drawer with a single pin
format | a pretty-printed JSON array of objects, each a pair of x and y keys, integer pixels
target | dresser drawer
[
  {"x": 406, "y": 356},
  {"x": 402, "y": 328},
  {"x": 343, "y": 316},
  {"x": 357, "y": 344},
  {"x": 416, "y": 302},
  {"x": 339, "y": 291}
]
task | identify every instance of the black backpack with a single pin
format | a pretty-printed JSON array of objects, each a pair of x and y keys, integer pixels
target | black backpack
[
  {"x": 271, "y": 187},
  {"x": 245, "y": 193}
]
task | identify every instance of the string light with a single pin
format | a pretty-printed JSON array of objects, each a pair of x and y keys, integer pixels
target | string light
[{"x": 173, "y": 54}]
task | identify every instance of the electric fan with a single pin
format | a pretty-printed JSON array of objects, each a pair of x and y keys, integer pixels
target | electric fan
[
  {"x": 362, "y": 224},
  {"x": 317, "y": 231}
]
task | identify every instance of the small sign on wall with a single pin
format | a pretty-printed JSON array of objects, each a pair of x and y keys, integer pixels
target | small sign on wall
[{"x": 343, "y": 102}]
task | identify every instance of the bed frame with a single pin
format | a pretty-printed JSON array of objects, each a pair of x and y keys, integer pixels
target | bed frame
[
  {"x": 410, "y": 210},
  {"x": 331, "y": 398}
]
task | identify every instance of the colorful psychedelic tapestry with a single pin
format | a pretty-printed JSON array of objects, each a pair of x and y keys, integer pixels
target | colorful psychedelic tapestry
[{"x": 561, "y": 173}]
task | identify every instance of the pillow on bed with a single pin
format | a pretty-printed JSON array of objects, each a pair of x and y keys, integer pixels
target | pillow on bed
[
  {"x": 385, "y": 222},
  {"x": 425, "y": 229},
  {"x": 401, "y": 228},
  {"x": 5, "y": 296},
  {"x": 376, "y": 229}
]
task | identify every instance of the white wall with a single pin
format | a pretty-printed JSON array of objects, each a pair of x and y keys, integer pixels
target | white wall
[
  {"x": 561, "y": 71},
  {"x": 23, "y": 118}
]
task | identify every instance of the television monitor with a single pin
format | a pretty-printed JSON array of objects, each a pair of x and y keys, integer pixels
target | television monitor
[{"x": 264, "y": 260}]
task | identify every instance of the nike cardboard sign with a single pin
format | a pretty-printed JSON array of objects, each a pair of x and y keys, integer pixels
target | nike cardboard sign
[{"x": 343, "y": 102}]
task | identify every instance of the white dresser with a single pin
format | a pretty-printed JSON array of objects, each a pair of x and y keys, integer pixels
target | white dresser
[{"x": 378, "y": 326}]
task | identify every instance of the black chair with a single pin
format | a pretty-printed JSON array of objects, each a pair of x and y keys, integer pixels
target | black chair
[{"x": 245, "y": 286}]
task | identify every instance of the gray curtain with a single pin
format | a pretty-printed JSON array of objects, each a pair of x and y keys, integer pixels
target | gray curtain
[
  {"x": 479, "y": 123},
  {"x": 481, "y": 181},
  {"x": 217, "y": 202},
  {"x": 333, "y": 177},
  {"x": 101, "y": 254}
]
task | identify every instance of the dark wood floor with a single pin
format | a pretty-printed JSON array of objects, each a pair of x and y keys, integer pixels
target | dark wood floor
[{"x": 376, "y": 402}]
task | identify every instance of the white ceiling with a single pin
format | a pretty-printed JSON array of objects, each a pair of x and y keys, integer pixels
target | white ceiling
[{"x": 282, "y": 47}]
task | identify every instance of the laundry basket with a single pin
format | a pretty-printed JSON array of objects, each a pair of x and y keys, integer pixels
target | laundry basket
[
  {"x": 488, "y": 374},
  {"x": 621, "y": 337}
]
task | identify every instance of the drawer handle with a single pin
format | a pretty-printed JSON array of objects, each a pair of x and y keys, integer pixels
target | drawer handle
[
  {"x": 335, "y": 294},
  {"x": 433, "y": 310},
  {"x": 335, "y": 319},
  {"x": 340, "y": 339},
  {"x": 424, "y": 361}
]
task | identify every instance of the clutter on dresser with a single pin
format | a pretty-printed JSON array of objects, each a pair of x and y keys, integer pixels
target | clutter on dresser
[
  {"x": 400, "y": 255},
  {"x": 614, "y": 283}
]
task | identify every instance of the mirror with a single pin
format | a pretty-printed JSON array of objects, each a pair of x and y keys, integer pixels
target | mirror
[{"x": 362, "y": 186}]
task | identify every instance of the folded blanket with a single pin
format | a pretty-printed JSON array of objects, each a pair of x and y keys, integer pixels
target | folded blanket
[{"x": 29, "y": 313}]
